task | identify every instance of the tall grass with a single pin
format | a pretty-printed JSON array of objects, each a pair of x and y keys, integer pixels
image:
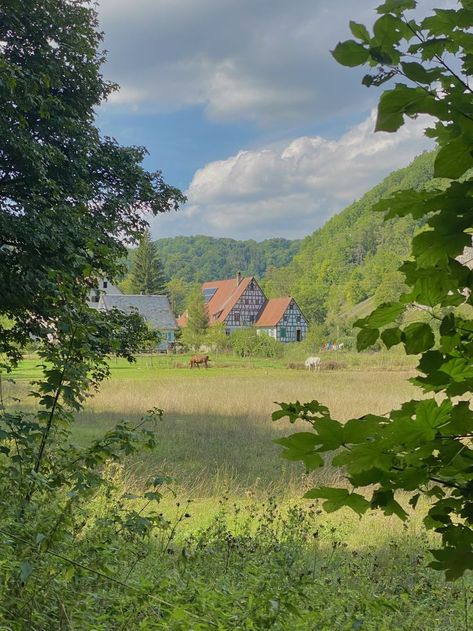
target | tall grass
[{"x": 217, "y": 431}]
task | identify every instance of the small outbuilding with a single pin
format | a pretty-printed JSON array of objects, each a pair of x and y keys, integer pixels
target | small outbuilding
[{"x": 282, "y": 319}]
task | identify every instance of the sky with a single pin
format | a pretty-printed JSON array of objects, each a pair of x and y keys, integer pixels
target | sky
[{"x": 241, "y": 105}]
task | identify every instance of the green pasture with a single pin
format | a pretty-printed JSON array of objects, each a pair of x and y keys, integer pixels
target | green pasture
[
  {"x": 216, "y": 433},
  {"x": 242, "y": 550},
  {"x": 146, "y": 366}
]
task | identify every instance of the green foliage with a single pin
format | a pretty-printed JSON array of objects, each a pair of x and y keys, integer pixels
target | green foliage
[
  {"x": 146, "y": 271},
  {"x": 247, "y": 342},
  {"x": 178, "y": 291},
  {"x": 197, "y": 316},
  {"x": 198, "y": 259},
  {"x": 355, "y": 255},
  {"x": 217, "y": 337},
  {"x": 423, "y": 448},
  {"x": 70, "y": 199},
  {"x": 70, "y": 202}
]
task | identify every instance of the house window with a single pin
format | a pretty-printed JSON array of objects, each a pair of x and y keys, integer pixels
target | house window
[
  {"x": 285, "y": 317},
  {"x": 298, "y": 318},
  {"x": 170, "y": 336},
  {"x": 105, "y": 284},
  {"x": 282, "y": 332},
  {"x": 236, "y": 317},
  {"x": 96, "y": 297},
  {"x": 252, "y": 319}
]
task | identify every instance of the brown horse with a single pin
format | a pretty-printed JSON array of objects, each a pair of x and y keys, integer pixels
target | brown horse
[{"x": 197, "y": 360}]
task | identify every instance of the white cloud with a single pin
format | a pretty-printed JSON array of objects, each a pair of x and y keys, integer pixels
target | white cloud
[
  {"x": 293, "y": 189},
  {"x": 265, "y": 61}
]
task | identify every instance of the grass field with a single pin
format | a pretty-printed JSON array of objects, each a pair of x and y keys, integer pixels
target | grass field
[
  {"x": 217, "y": 433},
  {"x": 253, "y": 562}
]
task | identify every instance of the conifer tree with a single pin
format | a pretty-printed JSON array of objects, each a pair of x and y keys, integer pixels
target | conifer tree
[{"x": 147, "y": 275}]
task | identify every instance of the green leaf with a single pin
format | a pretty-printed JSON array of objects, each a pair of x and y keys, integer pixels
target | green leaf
[
  {"x": 386, "y": 502},
  {"x": 338, "y": 498},
  {"x": 358, "y": 430},
  {"x": 350, "y": 53},
  {"x": 454, "y": 561},
  {"x": 384, "y": 314},
  {"x": 396, "y": 6},
  {"x": 390, "y": 29},
  {"x": 417, "y": 337},
  {"x": 391, "y": 336},
  {"x": 364, "y": 457},
  {"x": 300, "y": 446},
  {"x": 458, "y": 369},
  {"x": 416, "y": 72},
  {"x": 329, "y": 434},
  {"x": 454, "y": 159},
  {"x": 25, "y": 571},
  {"x": 359, "y": 31},
  {"x": 366, "y": 338},
  {"x": 403, "y": 100}
]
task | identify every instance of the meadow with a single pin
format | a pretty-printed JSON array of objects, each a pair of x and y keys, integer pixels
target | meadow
[{"x": 240, "y": 549}]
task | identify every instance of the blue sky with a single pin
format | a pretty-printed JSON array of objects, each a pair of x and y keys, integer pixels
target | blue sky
[{"x": 241, "y": 105}]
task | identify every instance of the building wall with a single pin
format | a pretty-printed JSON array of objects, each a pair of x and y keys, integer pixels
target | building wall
[
  {"x": 167, "y": 339},
  {"x": 291, "y": 322},
  {"x": 269, "y": 330},
  {"x": 104, "y": 287},
  {"x": 246, "y": 310}
]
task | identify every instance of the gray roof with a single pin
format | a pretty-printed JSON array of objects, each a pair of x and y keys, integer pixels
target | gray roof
[{"x": 155, "y": 310}]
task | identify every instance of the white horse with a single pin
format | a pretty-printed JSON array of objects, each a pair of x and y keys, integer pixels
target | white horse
[{"x": 313, "y": 362}]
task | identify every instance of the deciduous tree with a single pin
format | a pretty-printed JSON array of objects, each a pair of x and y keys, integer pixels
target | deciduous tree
[
  {"x": 198, "y": 319},
  {"x": 70, "y": 202}
]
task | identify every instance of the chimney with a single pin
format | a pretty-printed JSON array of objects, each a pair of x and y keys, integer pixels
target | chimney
[{"x": 238, "y": 278}]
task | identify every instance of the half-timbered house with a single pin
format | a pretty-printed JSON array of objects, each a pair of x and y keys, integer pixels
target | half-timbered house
[
  {"x": 240, "y": 302},
  {"x": 283, "y": 319},
  {"x": 237, "y": 302}
]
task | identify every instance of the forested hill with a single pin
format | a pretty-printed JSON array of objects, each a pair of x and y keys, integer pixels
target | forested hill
[
  {"x": 355, "y": 255},
  {"x": 199, "y": 258}
]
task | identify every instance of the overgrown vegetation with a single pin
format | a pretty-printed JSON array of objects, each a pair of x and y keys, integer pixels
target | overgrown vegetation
[
  {"x": 198, "y": 259},
  {"x": 70, "y": 202},
  {"x": 424, "y": 447}
]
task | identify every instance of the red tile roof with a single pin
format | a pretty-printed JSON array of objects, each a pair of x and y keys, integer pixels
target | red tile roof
[
  {"x": 273, "y": 311},
  {"x": 227, "y": 294},
  {"x": 182, "y": 320}
]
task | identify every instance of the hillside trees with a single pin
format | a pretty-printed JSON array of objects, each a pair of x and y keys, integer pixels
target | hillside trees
[
  {"x": 200, "y": 258},
  {"x": 70, "y": 202},
  {"x": 346, "y": 260},
  {"x": 147, "y": 275},
  {"x": 423, "y": 448}
]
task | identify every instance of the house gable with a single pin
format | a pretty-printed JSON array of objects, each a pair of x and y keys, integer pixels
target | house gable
[
  {"x": 283, "y": 317},
  {"x": 247, "y": 307}
]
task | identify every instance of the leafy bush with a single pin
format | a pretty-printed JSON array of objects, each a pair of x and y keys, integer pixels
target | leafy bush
[
  {"x": 249, "y": 342},
  {"x": 423, "y": 448}
]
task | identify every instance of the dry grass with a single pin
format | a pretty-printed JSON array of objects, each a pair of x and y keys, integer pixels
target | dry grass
[{"x": 217, "y": 431}]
